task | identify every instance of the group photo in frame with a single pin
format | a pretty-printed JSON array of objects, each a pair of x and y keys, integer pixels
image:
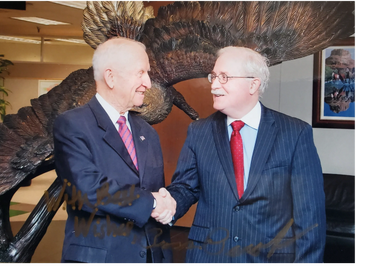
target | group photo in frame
[{"x": 334, "y": 86}]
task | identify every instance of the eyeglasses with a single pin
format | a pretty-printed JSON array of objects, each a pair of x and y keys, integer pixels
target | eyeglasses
[{"x": 223, "y": 78}]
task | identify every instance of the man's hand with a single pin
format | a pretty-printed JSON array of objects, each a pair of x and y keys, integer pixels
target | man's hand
[{"x": 165, "y": 206}]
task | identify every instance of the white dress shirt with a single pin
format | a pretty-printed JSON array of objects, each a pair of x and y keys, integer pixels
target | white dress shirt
[{"x": 112, "y": 112}]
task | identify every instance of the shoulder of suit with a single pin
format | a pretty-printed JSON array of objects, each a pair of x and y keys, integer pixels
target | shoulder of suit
[
  {"x": 74, "y": 114},
  {"x": 213, "y": 117},
  {"x": 281, "y": 118}
]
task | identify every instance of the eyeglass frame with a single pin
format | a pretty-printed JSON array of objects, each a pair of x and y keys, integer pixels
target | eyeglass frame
[{"x": 210, "y": 79}]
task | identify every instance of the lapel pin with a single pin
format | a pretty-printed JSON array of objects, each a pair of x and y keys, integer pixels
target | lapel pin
[{"x": 142, "y": 138}]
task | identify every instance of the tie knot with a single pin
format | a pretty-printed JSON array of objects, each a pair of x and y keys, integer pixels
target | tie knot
[
  {"x": 122, "y": 120},
  {"x": 237, "y": 125}
]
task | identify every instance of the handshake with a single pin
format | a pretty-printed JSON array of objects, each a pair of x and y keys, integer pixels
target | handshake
[{"x": 165, "y": 206}]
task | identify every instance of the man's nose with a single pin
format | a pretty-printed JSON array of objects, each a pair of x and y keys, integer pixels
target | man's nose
[
  {"x": 147, "y": 81},
  {"x": 215, "y": 83}
]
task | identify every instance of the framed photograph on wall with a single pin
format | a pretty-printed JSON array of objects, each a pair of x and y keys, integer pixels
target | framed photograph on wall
[
  {"x": 46, "y": 85},
  {"x": 334, "y": 86}
]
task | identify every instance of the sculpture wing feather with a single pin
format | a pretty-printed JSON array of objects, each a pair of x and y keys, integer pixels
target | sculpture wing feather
[
  {"x": 184, "y": 37},
  {"x": 27, "y": 137},
  {"x": 280, "y": 30},
  {"x": 106, "y": 19}
]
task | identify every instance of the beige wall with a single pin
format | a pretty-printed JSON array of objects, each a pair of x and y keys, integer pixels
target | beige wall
[
  {"x": 58, "y": 62},
  {"x": 23, "y": 81},
  {"x": 63, "y": 53},
  {"x": 22, "y": 91}
]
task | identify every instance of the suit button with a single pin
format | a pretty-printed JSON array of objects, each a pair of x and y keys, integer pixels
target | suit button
[
  {"x": 236, "y": 208},
  {"x": 235, "y": 238},
  {"x": 142, "y": 254}
]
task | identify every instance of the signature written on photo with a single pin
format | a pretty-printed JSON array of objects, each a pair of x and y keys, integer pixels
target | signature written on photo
[
  {"x": 105, "y": 227},
  {"x": 77, "y": 199}
]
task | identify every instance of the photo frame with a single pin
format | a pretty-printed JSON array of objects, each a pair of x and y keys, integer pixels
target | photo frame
[
  {"x": 46, "y": 85},
  {"x": 334, "y": 86}
]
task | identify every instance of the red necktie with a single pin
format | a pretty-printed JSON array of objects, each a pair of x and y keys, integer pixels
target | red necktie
[
  {"x": 237, "y": 155},
  {"x": 127, "y": 138}
]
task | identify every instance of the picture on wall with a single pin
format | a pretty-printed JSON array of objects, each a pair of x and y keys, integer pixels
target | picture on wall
[
  {"x": 334, "y": 86},
  {"x": 46, "y": 85}
]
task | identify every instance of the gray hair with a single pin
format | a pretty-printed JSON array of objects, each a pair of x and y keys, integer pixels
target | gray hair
[
  {"x": 111, "y": 52},
  {"x": 252, "y": 62}
]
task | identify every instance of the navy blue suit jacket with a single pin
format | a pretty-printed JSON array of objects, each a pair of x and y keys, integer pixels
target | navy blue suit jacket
[
  {"x": 280, "y": 217},
  {"x": 109, "y": 201}
]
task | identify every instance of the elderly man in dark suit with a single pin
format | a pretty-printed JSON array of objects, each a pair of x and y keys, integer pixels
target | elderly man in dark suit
[
  {"x": 111, "y": 162},
  {"x": 254, "y": 172}
]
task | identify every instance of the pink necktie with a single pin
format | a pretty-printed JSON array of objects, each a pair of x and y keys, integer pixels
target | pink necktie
[
  {"x": 127, "y": 138},
  {"x": 237, "y": 155}
]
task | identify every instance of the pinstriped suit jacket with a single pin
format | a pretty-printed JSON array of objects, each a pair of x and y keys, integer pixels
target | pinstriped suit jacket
[{"x": 280, "y": 217}]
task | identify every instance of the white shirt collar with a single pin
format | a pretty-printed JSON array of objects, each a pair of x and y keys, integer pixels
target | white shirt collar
[
  {"x": 111, "y": 111},
  {"x": 251, "y": 119}
]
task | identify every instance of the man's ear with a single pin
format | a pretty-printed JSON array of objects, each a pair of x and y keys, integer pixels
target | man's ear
[
  {"x": 255, "y": 85},
  {"x": 109, "y": 78}
]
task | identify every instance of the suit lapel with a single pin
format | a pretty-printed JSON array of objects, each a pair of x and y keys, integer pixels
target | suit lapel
[
  {"x": 140, "y": 142},
  {"x": 220, "y": 135},
  {"x": 111, "y": 136},
  {"x": 266, "y": 136}
]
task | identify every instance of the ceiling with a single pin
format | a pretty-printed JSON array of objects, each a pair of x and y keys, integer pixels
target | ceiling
[
  {"x": 43, "y": 9},
  {"x": 48, "y": 10}
]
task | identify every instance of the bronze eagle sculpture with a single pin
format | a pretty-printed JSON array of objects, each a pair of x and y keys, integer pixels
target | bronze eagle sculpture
[{"x": 181, "y": 42}]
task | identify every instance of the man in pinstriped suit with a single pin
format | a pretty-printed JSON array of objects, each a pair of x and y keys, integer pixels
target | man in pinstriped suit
[{"x": 281, "y": 215}]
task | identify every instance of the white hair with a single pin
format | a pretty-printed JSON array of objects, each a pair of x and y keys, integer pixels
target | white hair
[
  {"x": 252, "y": 63},
  {"x": 111, "y": 52}
]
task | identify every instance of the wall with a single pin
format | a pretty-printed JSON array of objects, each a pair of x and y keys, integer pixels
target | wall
[
  {"x": 60, "y": 53},
  {"x": 58, "y": 62},
  {"x": 290, "y": 92},
  {"x": 24, "y": 77}
]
